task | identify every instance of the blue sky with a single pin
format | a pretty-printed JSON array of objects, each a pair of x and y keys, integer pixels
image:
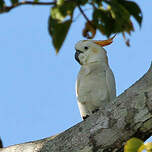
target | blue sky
[{"x": 37, "y": 87}]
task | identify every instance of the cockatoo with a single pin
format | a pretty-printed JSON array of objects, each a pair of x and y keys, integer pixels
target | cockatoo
[{"x": 95, "y": 86}]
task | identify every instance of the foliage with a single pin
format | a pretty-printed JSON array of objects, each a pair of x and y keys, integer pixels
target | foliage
[
  {"x": 137, "y": 145},
  {"x": 60, "y": 21},
  {"x": 14, "y": 1},
  {"x": 108, "y": 16}
]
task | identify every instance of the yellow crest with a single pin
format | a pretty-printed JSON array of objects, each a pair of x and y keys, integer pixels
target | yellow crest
[{"x": 105, "y": 42}]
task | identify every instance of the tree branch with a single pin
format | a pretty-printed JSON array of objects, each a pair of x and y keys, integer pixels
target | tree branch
[
  {"x": 129, "y": 115},
  {"x": 8, "y": 8}
]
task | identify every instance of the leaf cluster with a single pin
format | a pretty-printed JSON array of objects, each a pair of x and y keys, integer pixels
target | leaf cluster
[
  {"x": 108, "y": 17},
  {"x": 60, "y": 21}
]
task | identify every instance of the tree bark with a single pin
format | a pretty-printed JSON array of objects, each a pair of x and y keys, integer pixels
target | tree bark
[{"x": 129, "y": 115}]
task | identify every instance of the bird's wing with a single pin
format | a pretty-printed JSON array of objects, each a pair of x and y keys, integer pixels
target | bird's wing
[
  {"x": 110, "y": 80},
  {"x": 82, "y": 108},
  {"x": 77, "y": 86}
]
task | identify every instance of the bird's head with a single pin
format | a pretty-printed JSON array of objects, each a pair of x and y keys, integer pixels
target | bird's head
[{"x": 88, "y": 51}]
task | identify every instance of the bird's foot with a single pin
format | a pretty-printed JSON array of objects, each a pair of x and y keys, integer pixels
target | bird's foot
[
  {"x": 85, "y": 117},
  {"x": 94, "y": 111}
]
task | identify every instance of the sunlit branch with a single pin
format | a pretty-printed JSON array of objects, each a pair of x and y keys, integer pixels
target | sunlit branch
[{"x": 8, "y": 8}]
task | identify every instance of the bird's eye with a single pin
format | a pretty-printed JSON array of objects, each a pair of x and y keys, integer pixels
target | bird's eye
[{"x": 86, "y": 48}]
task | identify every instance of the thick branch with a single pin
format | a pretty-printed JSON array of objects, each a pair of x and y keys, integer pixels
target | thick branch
[{"x": 130, "y": 115}]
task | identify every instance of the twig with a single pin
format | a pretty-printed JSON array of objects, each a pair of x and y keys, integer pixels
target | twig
[
  {"x": 8, "y": 8},
  {"x": 87, "y": 9},
  {"x": 82, "y": 12}
]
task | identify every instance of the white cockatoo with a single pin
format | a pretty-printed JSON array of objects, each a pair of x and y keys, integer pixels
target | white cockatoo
[{"x": 95, "y": 86}]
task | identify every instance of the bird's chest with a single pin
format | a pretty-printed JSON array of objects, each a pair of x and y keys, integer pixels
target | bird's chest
[{"x": 91, "y": 78}]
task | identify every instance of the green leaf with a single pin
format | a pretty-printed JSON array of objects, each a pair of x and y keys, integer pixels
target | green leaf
[
  {"x": 60, "y": 2},
  {"x": 58, "y": 26},
  {"x": 98, "y": 2},
  {"x": 61, "y": 11},
  {"x": 133, "y": 145},
  {"x": 113, "y": 19},
  {"x": 133, "y": 9},
  {"x": 82, "y": 2},
  {"x": 146, "y": 146},
  {"x": 2, "y": 3},
  {"x": 121, "y": 16},
  {"x": 36, "y": 0},
  {"x": 56, "y": 14},
  {"x": 103, "y": 21},
  {"x": 14, "y": 1},
  {"x": 58, "y": 31},
  {"x": 67, "y": 8}
]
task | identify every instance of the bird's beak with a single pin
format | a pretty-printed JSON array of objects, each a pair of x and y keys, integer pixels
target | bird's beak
[
  {"x": 105, "y": 42},
  {"x": 77, "y": 53}
]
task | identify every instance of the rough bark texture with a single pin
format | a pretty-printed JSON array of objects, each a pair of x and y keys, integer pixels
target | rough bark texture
[{"x": 130, "y": 115}]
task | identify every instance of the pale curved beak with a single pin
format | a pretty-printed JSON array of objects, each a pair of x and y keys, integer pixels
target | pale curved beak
[{"x": 77, "y": 53}]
